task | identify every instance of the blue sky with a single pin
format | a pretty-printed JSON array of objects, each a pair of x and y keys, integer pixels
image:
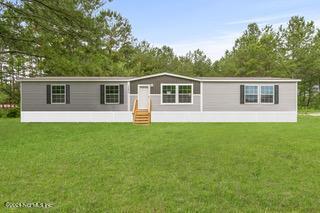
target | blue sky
[{"x": 211, "y": 26}]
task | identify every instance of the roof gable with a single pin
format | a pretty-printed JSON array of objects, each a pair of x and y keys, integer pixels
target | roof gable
[{"x": 164, "y": 73}]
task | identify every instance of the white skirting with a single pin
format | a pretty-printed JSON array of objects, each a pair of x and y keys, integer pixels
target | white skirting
[
  {"x": 75, "y": 116},
  {"x": 116, "y": 116},
  {"x": 226, "y": 116}
]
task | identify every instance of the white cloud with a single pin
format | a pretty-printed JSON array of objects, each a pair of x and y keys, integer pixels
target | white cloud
[
  {"x": 214, "y": 47},
  {"x": 317, "y": 23},
  {"x": 261, "y": 19}
]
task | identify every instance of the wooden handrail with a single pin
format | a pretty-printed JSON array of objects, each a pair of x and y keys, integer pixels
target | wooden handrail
[
  {"x": 142, "y": 114},
  {"x": 135, "y": 106}
]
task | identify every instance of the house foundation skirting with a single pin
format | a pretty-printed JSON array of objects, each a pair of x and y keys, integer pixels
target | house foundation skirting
[
  {"x": 160, "y": 116},
  {"x": 225, "y": 116}
]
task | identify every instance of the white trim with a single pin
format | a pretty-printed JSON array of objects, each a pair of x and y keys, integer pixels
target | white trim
[
  {"x": 201, "y": 96},
  {"x": 105, "y": 94},
  {"x": 194, "y": 79},
  {"x": 164, "y": 73},
  {"x": 271, "y": 85},
  {"x": 21, "y": 96},
  {"x": 177, "y": 93},
  {"x": 72, "y": 80},
  {"x": 143, "y": 85},
  {"x": 128, "y": 95},
  {"x": 296, "y": 96},
  {"x": 65, "y": 92},
  {"x": 160, "y": 116},
  {"x": 254, "y": 81},
  {"x": 194, "y": 95},
  {"x": 150, "y": 94},
  {"x": 161, "y": 93},
  {"x": 104, "y": 79}
]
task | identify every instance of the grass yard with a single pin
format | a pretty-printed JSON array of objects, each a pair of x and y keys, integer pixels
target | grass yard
[{"x": 163, "y": 167}]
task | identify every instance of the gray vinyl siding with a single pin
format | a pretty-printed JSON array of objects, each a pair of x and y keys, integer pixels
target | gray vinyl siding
[
  {"x": 164, "y": 79},
  {"x": 226, "y": 97},
  {"x": 84, "y": 96},
  {"x": 157, "y": 106}
]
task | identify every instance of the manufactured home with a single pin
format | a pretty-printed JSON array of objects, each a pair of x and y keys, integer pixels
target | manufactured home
[{"x": 162, "y": 97}]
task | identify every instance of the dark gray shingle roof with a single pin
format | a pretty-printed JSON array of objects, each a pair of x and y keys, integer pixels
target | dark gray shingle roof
[
  {"x": 77, "y": 79},
  {"x": 119, "y": 79}
]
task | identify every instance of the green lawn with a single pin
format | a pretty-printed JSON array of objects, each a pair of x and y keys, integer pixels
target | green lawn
[{"x": 163, "y": 167}]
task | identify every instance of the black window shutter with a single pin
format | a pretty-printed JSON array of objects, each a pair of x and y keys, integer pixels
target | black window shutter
[
  {"x": 102, "y": 94},
  {"x": 121, "y": 94},
  {"x": 67, "y": 94},
  {"x": 241, "y": 94},
  {"x": 276, "y": 94},
  {"x": 48, "y": 94}
]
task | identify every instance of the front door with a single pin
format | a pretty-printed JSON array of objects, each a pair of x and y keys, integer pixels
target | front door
[{"x": 143, "y": 96}]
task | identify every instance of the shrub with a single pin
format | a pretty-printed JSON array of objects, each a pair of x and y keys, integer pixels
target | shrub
[
  {"x": 316, "y": 102},
  {"x": 13, "y": 113},
  {"x": 3, "y": 113}
]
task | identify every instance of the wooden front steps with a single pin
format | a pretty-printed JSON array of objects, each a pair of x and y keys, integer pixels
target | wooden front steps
[{"x": 141, "y": 116}]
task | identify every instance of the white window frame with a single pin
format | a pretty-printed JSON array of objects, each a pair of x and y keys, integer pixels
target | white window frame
[
  {"x": 258, "y": 92},
  {"x": 161, "y": 94},
  {"x": 177, "y": 94},
  {"x": 65, "y": 92},
  {"x": 105, "y": 93},
  {"x": 272, "y": 94}
]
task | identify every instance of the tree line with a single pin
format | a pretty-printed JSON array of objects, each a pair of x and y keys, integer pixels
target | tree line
[{"x": 80, "y": 38}]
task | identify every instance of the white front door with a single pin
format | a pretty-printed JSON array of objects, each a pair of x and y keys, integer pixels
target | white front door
[{"x": 143, "y": 96}]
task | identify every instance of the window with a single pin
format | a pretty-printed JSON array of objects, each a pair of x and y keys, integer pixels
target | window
[
  {"x": 168, "y": 94},
  {"x": 251, "y": 94},
  {"x": 176, "y": 94},
  {"x": 266, "y": 94},
  {"x": 112, "y": 94},
  {"x": 262, "y": 94},
  {"x": 185, "y": 93},
  {"x": 58, "y": 94}
]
